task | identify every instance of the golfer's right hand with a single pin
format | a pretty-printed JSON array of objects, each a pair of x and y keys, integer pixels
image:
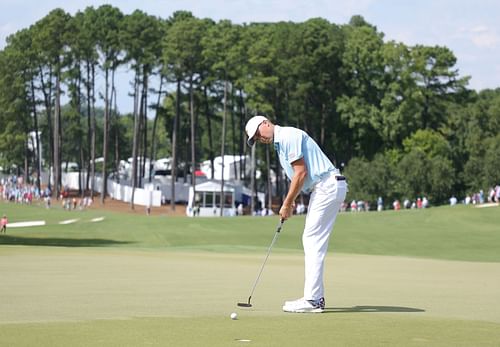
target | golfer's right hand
[{"x": 286, "y": 211}]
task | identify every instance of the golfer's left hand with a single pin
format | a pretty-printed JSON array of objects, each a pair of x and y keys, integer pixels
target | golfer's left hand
[{"x": 286, "y": 211}]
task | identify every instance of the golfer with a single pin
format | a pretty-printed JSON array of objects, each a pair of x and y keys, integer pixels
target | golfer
[{"x": 310, "y": 171}]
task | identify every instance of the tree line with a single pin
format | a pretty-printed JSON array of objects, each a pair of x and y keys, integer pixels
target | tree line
[{"x": 398, "y": 119}]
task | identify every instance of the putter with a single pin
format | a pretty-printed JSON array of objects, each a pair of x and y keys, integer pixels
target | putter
[{"x": 278, "y": 229}]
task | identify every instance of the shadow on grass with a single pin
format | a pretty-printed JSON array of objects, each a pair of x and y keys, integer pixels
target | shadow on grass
[
  {"x": 368, "y": 309},
  {"x": 57, "y": 242}
]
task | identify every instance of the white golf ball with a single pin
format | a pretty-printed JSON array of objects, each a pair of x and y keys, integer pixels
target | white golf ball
[{"x": 234, "y": 316}]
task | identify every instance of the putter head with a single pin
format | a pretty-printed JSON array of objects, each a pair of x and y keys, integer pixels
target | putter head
[{"x": 246, "y": 304}]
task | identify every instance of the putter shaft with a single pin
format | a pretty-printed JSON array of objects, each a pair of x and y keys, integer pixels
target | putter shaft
[{"x": 278, "y": 230}]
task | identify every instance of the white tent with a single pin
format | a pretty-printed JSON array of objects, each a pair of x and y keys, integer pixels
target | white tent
[
  {"x": 208, "y": 200},
  {"x": 231, "y": 162}
]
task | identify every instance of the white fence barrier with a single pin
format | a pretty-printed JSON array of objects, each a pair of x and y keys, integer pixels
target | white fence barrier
[{"x": 117, "y": 191}]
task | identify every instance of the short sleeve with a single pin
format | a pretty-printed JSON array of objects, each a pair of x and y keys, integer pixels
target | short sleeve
[{"x": 292, "y": 146}]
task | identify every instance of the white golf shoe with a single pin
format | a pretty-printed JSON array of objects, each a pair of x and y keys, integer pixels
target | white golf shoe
[{"x": 305, "y": 306}]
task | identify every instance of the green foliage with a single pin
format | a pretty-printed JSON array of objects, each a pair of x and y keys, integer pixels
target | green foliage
[
  {"x": 13, "y": 108},
  {"x": 492, "y": 161},
  {"x": 429, "y": 142},
  {"x": 423, "y": 168},
  {"x": 423, "y": 175},
  {"x": 370, "y": 179},
  {"x": 482, "y": 170},
  {"x": 399, "y": 116}
]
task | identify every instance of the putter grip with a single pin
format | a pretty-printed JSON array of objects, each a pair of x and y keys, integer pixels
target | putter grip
[{"x": 278, "y": 229}]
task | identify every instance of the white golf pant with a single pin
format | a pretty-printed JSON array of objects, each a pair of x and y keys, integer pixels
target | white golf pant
[{"x": 324, "y": 204}]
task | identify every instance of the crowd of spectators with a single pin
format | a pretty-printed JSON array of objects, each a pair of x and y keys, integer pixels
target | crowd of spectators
[
  {"x": 478, "y": 198},
  {"x": 14, "y": 189},
  {"x": 362, "y": 206}
]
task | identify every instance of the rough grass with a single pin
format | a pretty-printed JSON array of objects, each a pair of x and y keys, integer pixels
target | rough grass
[{"x": 458, "y": 233}]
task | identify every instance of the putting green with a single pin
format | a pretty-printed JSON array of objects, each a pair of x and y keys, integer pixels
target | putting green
[{"x": 53, "y": 296}]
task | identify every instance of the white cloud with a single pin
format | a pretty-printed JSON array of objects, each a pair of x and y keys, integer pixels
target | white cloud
[
  {"x": 486, "y": 40},
  {"x": 481, "y": 36},
  {"x": 479, "y": 29}
]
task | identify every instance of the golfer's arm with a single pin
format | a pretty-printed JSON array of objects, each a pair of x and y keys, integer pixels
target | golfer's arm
[{"x": 298, "y": 179}]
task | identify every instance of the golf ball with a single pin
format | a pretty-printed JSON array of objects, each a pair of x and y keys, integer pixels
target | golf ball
[{"x": 234, "y": 315}]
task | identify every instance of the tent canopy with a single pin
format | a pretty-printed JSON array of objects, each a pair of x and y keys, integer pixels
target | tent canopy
[{"x": 214, "y": 186}]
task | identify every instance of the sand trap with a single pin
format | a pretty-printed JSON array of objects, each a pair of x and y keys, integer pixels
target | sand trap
[
  {"x": 489, "y": 204},
  {"x": 98, "y": 219},
  {"x": 26, "y": 224},
  {"x": 69, "y": 221}
]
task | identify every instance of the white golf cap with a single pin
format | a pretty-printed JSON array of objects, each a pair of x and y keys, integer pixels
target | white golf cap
[{"x": 251, "y": 128}]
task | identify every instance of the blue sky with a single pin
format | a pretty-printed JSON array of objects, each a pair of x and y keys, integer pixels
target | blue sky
[{"x": 471, "y": 29}]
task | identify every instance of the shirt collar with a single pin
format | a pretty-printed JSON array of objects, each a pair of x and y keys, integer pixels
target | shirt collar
[{"x": 276, "y": 136}]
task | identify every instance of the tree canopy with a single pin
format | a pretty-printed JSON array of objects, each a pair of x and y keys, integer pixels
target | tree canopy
[{"x": 400, "y": 119}]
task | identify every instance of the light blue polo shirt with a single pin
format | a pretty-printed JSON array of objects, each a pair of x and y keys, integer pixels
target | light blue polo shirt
[{"x": 292, "y": 144}]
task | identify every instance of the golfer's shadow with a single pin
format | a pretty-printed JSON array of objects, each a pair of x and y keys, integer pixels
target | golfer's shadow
[{"x": 368, "y": 309}]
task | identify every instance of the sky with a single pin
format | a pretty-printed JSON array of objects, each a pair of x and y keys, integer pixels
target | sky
[{"x": 470, "y": 28}]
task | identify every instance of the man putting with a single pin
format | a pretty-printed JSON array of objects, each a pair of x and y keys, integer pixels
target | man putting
[{"x": 309, "y": 170}]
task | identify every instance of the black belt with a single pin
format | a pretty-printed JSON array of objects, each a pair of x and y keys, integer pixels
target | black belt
[{"x": 340, "y": 178}]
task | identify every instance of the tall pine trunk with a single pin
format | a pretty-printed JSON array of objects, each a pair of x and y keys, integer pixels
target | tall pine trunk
[
  {"x": 209, "y": 129},
  {"x": 174, "y": 142},
  {"x": 37, "y": 137},
  {"x": 105, "y": 137},
  {"x": 193, "y": 138},
  {"x": 155, "y": 124},
  {"x": 47, "y": 95},
  {"x": 93, "y": 138},
  {"x": 222, "y": 150},
  {"x": 135, "y": 138},
  {"x": 144, "y": 123},
  {"x": 57, "y": 141},
  {"x": 89, "y": 126}
]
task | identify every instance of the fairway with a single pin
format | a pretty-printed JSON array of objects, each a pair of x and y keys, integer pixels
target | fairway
[{"x": 116, "y": 294}]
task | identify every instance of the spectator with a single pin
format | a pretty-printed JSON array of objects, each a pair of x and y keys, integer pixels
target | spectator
[
  {"x": 396, "y": 205},
  {"x": 343, "y": 206},
  {"x": 425, "y": 202},
  {"x": 354, "y": 206},
  {"x": 406, "y": 204},
  {"x": 491, "y": 195},
  {"x": 361, "y": 205},
  {"x": 380, "y": 204},
  {"x": 419, "y": 203},
  {"x": 453, "y": 201},
  {"x": 3, "y": 224}
]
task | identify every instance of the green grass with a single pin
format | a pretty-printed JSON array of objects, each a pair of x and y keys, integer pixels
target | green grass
[
  {"x": 300, "y": 330},
  {"x": 458, "y": 233},
  {"x": 407, "y": 278}
]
